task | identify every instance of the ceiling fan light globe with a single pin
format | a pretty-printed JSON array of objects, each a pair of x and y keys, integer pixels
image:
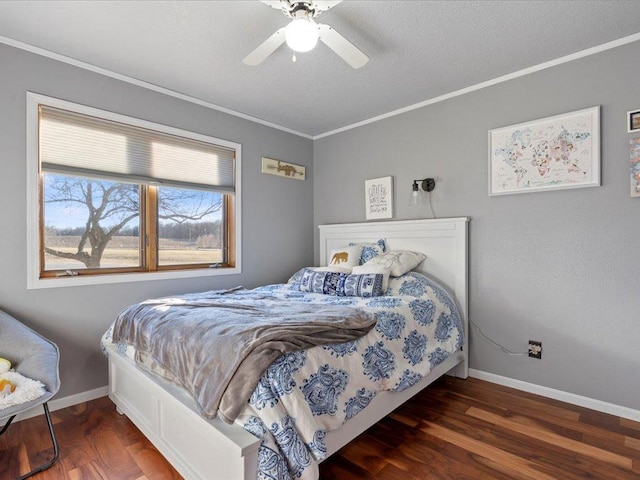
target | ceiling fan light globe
[{"x": 301, "y": 35}]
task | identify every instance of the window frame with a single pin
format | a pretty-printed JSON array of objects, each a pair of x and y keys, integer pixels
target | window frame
[{"x": 34, "y": 192}]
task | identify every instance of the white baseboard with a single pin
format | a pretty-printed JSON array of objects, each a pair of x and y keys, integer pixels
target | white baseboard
[
  {"x": 599, "y": 405},
  {"x": 65, "y": 402}
]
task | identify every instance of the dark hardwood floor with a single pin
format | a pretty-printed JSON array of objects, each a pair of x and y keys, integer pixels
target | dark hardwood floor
[{"x": 455, "y": 429}]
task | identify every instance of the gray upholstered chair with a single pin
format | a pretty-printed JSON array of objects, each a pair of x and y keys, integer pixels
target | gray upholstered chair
[{"x": 35, "y": 357}]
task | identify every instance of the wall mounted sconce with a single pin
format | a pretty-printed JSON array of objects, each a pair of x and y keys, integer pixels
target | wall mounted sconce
[{"x": 417, "y": 197}]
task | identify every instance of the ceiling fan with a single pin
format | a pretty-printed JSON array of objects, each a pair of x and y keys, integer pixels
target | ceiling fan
[{"x": 302, "y": 33}]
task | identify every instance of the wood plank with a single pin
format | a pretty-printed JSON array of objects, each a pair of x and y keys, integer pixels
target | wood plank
[
  {"x": 629, "y": 428},
  {"x": 85, "y": 472},
  {"x": 151, "y": 462},
  {"x": 371, "y": 458},
  {"x": 552, "y": 438},
  {"x": 435, "y": 458},
  {"x": 549, "y": 459},
  {"x": 342, "y": 468},
  {"x": 406, "y": 419},
  {"x": 392, "y": 432},
  {"x": 632, "y": 443},
  {"x": 14, "y": 462},
  {"x": 456, "y": 429},
  {"x": 113, "y": 455},
  {"x": 517, "y": 467},
  {"x": 520, "y": 402}
]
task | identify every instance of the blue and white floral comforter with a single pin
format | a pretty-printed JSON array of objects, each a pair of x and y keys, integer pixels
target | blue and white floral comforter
[{"x": 305, "y": 394}]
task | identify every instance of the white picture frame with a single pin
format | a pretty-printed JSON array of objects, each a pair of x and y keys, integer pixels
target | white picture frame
[
  {"x": 552, "y": 153},
  {"x": 378, "y": 194}
]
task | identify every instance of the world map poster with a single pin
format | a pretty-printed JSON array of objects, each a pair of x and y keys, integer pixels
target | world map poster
[{"x": 547, "y": 154}]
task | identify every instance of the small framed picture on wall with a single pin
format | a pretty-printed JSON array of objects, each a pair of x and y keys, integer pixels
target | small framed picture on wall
[
  {"x": 379, "y": 198},
  {"x": 633, "y": 121}
]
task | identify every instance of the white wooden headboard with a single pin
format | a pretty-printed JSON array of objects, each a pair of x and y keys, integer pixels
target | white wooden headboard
[{"x": 442, "y": 240}]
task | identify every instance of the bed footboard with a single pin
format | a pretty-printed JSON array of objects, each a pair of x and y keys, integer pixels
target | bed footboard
[{"x": 199, "y": 449}]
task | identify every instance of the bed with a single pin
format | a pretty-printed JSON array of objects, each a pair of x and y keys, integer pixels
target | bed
[{"x": 203, "y": 449}]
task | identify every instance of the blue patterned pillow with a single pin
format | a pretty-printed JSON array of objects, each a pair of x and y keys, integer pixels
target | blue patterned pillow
[
  {"x": 310, "y": 280},
  {"x": 341, "y": 284},
  {"x": 370, "y": 250},
  {"x": 295, "y": 278},
  {"x": 363, "y": 285}
]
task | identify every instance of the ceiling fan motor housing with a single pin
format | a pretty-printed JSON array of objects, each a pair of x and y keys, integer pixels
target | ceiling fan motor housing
[{"x": 305, "y": 7}]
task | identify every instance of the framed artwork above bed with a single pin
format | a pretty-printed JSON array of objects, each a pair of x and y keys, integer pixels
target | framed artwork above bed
[
  {"x": 379, "y": 198},
  {"x": 551, "y": 153}
]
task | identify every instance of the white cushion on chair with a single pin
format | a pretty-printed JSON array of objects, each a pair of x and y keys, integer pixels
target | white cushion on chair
[{"x": 26, "y": 390}]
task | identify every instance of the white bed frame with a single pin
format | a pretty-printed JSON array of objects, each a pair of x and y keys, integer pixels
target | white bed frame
[{"x": 202, "y": 450}]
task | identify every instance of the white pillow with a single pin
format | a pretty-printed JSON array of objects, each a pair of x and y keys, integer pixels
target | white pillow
[
  {"x": 407, "y": 261},
  {"x": 345, "y": 257},
  {"x": 398, "y": 261},
  {"x": 375, "y": 269},
  {"x": 386, "y": 260}
]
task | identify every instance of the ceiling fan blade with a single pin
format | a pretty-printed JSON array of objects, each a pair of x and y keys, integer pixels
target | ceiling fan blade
[
  {"x": 325, "y": 5},
  {"x": 265, "y": 49},
  {"x": 343, "y": 47},
  {"x": 277, "y": 4}
]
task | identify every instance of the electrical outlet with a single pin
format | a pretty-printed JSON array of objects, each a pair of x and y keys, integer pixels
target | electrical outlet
[{"x": 535, "y": 349}]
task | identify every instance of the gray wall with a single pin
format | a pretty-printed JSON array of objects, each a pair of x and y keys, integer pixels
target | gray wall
[
  {"x": 561, "y": 267},
  {"x": 277, "y": 214}
]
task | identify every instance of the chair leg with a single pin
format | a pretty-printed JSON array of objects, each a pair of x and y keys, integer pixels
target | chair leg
[
  {"x": 6, "y": 425},
  {"x": 56, "y": 452}
]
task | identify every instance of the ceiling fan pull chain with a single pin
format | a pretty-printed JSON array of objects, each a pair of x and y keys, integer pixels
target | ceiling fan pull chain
[{"x": 294, "y": 57}]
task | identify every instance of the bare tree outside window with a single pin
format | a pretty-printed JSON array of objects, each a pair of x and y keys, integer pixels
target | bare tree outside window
[{"x": 97, "y": 223}]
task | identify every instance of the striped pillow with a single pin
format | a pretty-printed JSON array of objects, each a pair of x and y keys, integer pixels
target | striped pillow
[{"x": 341, "y": 284}]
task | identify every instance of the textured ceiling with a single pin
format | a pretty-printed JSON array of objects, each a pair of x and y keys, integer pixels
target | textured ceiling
[{"x": 418, "y": 49}]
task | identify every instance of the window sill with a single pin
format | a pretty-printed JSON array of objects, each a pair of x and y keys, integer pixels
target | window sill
[{"x": 81, "y": 280}]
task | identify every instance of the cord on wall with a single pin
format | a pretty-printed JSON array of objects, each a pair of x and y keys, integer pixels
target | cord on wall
[
  {"x": 433, "y": 213},
  {"x": 496, "y": 344}
]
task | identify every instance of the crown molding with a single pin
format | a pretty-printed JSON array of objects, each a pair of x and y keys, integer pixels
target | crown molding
[
  {"x": 520, "y": 73},
  {"x": 504, "y": 78},
  {"x": 141, "y": 83}
]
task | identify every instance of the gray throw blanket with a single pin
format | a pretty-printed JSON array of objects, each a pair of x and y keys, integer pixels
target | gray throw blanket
[{"x": 218, "y": 344}]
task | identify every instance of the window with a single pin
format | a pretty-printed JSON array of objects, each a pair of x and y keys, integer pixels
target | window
[{"x": 113, "y": 198}]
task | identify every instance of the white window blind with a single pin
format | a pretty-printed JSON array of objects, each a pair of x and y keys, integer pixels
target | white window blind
[{"x": 82, "y": 145}]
